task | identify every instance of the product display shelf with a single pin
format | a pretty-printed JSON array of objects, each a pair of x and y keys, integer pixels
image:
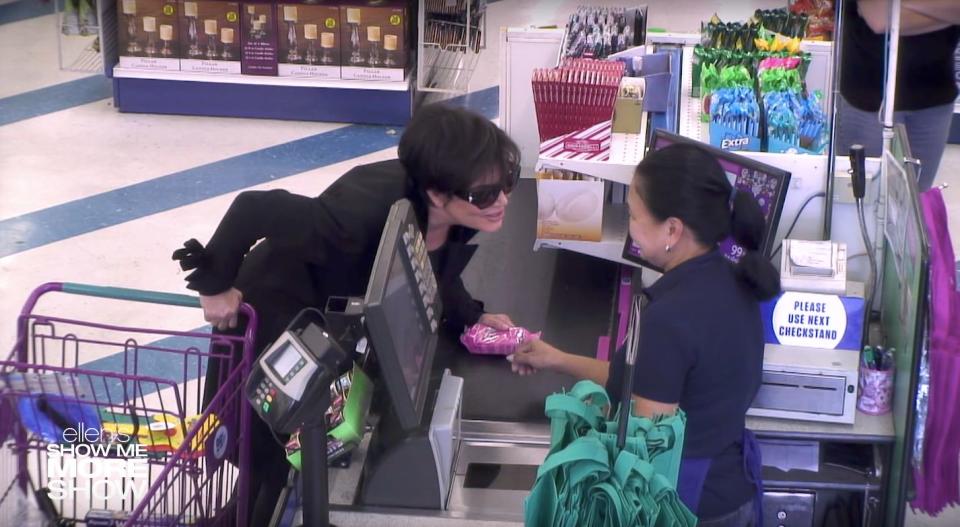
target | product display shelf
[
  {"x": 261, "y": 80},
  {"x": 626, "y": 150},
  {"x": 688, "y": 121},
  {"x": 78, "y": 43},
  {"x": 819, "y": 78},
  {"x": 181, "y": 93},
  {"x": 253, "y": 96},
  {"x": 448, "y": 67},
  {"x": 615, "y": 220}
]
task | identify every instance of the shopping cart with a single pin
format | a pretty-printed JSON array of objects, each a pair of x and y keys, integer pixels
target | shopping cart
[{"x": 111, "y": 422}]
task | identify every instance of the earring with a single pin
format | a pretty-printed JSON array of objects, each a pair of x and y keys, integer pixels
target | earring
[{"x": 668, "y": 248}]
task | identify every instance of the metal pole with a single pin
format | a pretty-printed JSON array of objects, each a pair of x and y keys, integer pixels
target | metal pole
[
  {"x": 835, "y": 96},
  {"x": 890, "y": 90}
]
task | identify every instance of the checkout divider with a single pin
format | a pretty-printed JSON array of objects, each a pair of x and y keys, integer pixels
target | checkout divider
[{"x": 904, "y": 320}]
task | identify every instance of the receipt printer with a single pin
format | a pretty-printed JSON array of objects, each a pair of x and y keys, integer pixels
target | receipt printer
[{"x": 290, "y": 380}]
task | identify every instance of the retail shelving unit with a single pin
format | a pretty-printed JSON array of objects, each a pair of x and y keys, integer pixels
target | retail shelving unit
[
  {"x": 610, "y": 248},
  {"x": 253, "y": 96},
  {"x": 446, "y": 65},
  {"x": 81, "y": 52},
  {"x": 819, "y": 77},
  {"x": 626, "y": 150},
  {"x": 184, "y": 93}
]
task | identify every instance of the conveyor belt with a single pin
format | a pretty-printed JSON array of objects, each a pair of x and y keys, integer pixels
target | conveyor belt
[{"x": 566, "y": 295}]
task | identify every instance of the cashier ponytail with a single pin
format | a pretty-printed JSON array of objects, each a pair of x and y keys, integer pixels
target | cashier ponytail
[
  {"x": 686, "y": 182},
  {"x": 748, "y": 226}
]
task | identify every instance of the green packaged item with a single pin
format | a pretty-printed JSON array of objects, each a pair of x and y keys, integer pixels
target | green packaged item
[
  {"x": 587, "y": 480},
  {"x": 347, "y": 421}
]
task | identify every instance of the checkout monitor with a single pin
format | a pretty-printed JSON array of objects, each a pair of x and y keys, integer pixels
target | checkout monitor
[
  {"x": 402, "y": 313},
  {"x": 767, "y": 183}
]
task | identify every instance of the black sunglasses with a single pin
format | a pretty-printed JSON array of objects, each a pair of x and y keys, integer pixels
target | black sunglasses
[{"x": 484, "y": 196}]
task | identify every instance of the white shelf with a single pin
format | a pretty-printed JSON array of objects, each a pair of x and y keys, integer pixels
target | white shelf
[
  {"x": 262, "y": 80},
  {"x": 626, "y": 150},
  {"x": 609, "y": 248},
  {"x": 689, "y": 124}
]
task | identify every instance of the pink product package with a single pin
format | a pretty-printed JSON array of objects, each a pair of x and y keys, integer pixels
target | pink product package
[
  {"x": 481, "y": 339},
  {"x": 787, "y": 63}
]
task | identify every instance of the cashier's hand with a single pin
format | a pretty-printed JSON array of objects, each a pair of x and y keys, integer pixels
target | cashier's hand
[
  {"x": 221, "y": 310},
  {"x": 497, "y": 322},
  {"x": 534, "y": 355}
]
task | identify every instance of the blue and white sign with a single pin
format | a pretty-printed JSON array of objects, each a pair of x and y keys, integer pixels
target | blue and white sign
[{"x": 814, "y": 321}]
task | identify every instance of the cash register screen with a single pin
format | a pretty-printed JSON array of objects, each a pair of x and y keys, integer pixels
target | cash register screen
[
  {"x": 283, "y": 360},
  {"x": 396, "y": 319},
  {"x": 406, "y": 326}
]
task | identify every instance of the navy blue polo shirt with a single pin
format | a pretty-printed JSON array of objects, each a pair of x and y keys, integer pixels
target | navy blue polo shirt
[{"x": 701, "y": 345}]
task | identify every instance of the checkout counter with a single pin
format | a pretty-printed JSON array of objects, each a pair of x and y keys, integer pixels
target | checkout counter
[{"x": 835, "y": 474}]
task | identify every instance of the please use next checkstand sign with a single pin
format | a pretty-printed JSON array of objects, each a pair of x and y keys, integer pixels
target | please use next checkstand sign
[{"x": 814, "y": 320}]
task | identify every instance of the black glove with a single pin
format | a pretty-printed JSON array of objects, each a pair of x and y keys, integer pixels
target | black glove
[{"x": 191, "y": 256}]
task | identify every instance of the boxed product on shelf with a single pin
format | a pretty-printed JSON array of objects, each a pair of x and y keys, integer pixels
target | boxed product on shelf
[
  {"x": 569, "y": 206},
  {"x": 628, "y": 108},
  {"x": 575, "y": 96},
  {"x": 210, "y": 36},
  {"x": 147, "y": 35},
  {"x": 309, "y": 40},
  {"x": 258, "y": 39},
  {"x": 374, "y": 42}
]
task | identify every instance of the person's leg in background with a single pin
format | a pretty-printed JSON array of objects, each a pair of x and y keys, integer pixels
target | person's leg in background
[
  {"x": 857, "y": 127},
  {"x": 927, "y": 131}
]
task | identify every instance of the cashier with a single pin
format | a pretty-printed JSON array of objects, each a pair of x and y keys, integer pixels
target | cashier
[
  {"x": 457, "y": 169},
  {"x": 701, "y": 341}
]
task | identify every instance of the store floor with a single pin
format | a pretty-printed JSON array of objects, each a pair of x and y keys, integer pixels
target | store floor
[{"x": 91, "y": 195}]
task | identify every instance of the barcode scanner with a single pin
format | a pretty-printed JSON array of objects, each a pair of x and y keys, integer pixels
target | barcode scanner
[{"x": 858, "y": 171}]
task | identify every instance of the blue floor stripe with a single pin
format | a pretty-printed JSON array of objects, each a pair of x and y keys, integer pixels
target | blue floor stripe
[
  {"x": 23, "y": 10},
  {"x": 54, "y": 98},
  {"x": 53, "y": 224}
]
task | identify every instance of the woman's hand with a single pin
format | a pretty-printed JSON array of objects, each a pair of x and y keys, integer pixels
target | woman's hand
[
  {"x": 535, "y": 355},
  {"x": 221, "y": 310},
  {"x": 497, "y": 322}
]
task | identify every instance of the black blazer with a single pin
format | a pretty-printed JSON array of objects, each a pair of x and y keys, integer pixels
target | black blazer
[{"x": 314, "y": 248}]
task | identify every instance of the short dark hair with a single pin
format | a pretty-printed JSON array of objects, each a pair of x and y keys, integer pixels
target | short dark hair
[
  {"x": 450, "y": 149},
  {"x": 686, "y": 182}
]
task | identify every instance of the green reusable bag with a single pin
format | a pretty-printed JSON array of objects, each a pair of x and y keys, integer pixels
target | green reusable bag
[{"x": 586, "y": 481}]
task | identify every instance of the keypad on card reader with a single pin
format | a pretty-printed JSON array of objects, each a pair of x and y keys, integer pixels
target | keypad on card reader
[{"x": 266, "y": 391}]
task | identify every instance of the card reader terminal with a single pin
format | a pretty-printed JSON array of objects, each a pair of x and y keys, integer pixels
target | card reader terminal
[{"x": 287, "y": 377}]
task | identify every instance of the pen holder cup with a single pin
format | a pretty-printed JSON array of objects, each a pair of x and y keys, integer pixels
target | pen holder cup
[{"x": 876, "y": 390}]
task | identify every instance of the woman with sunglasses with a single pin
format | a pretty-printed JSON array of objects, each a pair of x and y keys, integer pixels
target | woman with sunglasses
[
  {"x": 456, "y": 168},
  {"x": 701, "y": 335}
]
